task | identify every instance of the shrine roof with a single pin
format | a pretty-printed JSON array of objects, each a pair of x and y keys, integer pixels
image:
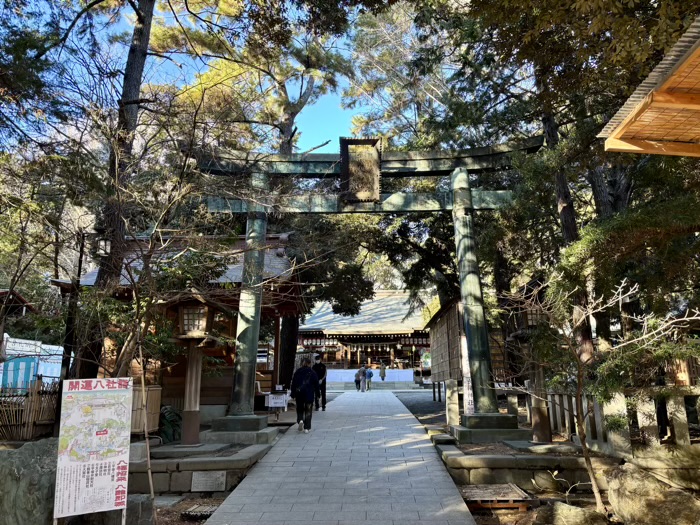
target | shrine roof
[
  {"x": 662, "y": 116},
  {"x": 276, "y": 266},
  {"x": 387, "y": 313},
  {"x": 16, "y": 299}
]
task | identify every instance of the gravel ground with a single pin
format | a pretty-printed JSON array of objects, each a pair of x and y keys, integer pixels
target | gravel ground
[{"x": 421, "y": 405}]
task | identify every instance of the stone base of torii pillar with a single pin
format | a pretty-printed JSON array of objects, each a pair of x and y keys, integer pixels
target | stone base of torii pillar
[{"x": 489, "y": 428}]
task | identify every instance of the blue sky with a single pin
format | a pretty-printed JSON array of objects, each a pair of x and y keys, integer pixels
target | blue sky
[{"x": 323, "y": 121}]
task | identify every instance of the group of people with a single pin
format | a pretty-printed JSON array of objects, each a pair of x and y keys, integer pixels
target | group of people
[
  {"x": 309, "y": 388},
  {"x": 363, "y": 377}
]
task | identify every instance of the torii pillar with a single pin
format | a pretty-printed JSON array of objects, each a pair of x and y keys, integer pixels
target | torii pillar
[
  {"x": 241, "y": 416},
  {"x": 481, "y": 421}
]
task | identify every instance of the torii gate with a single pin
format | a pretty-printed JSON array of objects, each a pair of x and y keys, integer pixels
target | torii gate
[{"x": 360, "y": 166}]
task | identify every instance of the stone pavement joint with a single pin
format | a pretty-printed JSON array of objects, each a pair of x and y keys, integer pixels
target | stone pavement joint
[{"x": 366, "y": 460}]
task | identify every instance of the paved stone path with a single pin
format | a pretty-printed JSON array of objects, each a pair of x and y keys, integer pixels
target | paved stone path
[{"x": 367, "y": 460}]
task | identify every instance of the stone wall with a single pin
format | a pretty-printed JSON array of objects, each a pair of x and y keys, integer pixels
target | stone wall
[
  {"x": 27, "y": 482},
  {"x": 27, "y": 479},
  {"x": 175, "y": 475},
  {"x": 535, "y": 473}
]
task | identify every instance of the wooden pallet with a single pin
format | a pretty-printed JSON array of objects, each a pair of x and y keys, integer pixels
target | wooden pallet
[
  {"x": 198, "y": 512},
  {"x": 506, "y": 496}
]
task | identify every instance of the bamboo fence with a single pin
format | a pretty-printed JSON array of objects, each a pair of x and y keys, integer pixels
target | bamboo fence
[{"x": 28, "y": 413}]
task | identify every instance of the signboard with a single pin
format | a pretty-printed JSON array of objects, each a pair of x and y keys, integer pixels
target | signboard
[
  {"x": 93, "y": 446},
  {"x": 277, "y": 401},
  {"x": 208, "y": 481}
]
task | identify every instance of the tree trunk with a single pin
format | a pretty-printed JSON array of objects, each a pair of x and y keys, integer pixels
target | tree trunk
[
  {"x": 601, "y": 194},
  {"x": 603, "y": 198},
  {"x": 288, "y": 349},
  {"x": 133, "y": 342},
  {"x": 541, "y": 427},
  {"x": 121, "y": 147},
  {"x": 612, "y": 191},
  {"x": 569, "y": 228},
  {"x": 581, "y": 431},
  {"x": 630, "y": 309},
  {"x": 287, "y": 132}
]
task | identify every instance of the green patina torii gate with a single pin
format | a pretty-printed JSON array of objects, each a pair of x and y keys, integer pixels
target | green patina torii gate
[{"x": 360, "y": 166}]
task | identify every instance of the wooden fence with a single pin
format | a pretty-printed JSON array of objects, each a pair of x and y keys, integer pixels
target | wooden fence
[
  {"x": 152, "y": 412},
  {"x": 28, "y": 413},
  {"x": 644, "y": 420}
]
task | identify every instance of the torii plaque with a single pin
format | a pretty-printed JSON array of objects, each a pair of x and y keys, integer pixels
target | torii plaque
[{"x": 360, "y": 166}]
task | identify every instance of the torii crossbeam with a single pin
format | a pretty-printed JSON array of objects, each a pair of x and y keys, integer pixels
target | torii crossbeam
[{"x": 360, "y": 166}]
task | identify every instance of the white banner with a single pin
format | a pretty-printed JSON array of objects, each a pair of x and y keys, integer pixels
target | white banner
[
  {"x": 468, "y": 388},
  {"x": 93, "y": 446}
]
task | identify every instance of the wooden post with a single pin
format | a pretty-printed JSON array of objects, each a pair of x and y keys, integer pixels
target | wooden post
[
  {"x": 591, "y": 425},
  {"x": 679, "y": 420},
  {"x": 276, "y": 349},
  {"x": 619, "y": 441},
  {"x": 599, "y": 421},
  {"x": 648, "y": 425},
  {"x": 512, "y": 399},
  {"x": 452, "y": 402},
  {"x": 569, "y": 420},
  {"x": 193, "y": 381},
  {"x": 541, "y": 429}
]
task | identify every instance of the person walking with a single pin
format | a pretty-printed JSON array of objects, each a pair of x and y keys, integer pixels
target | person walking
[
  {"x": 358, "y": 380},
  {"x": 369, "y": 374},
  {"x": 304, "y": 391},
  {"x": 363, "y": 378},
  {"x": 321, "y": 372},
  {"x": 382, "y": 370}
]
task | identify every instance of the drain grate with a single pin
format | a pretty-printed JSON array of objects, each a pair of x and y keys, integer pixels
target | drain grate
[
  {"x": 505, "y": 496},
  {"x": 198, "y": 512}
]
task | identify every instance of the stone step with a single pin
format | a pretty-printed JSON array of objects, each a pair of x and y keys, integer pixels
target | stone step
[
  {"x": 376, "y": 385},
  {"x": 264, "y": 436}
]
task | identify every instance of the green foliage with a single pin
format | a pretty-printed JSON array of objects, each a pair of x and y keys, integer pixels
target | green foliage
[
  {"x": 185, "y": 271},
  {"x": 615, "y": 423},
  {"x": 347, "y": 290},
  {"x": 395, "y": 100},
  {"x": 49, "y": 329},
  {"x": 170, "y": 424},
  {"x": 26, "y": 86},
  {"x": 324, "y": 250},
  {"x": 641, "y": 364}
]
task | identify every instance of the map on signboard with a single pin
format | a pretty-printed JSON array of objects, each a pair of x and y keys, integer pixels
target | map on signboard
[{"x": 93, "y": 446}]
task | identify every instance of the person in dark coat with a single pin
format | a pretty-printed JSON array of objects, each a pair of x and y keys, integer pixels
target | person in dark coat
[
  {"x": 321, "y": 372},
  {"x": 304, "y": 390}
]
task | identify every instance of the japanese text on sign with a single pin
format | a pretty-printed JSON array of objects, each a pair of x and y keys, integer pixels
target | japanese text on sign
[{"x": 93, "y": 451}]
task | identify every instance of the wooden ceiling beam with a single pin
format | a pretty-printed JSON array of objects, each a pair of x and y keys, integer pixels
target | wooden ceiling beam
[
  {"x": 689, "y": 101},
  {"x": 652, "y": 147}
]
